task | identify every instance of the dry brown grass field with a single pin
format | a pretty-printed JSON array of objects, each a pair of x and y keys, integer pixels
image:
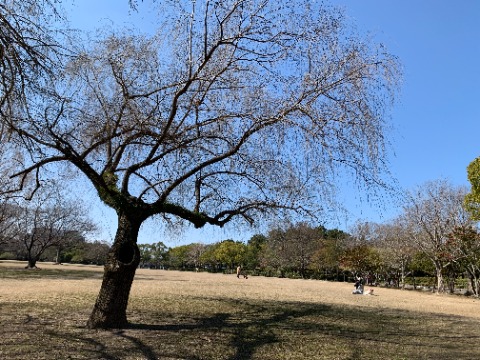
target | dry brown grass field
[{"x": 183, "y": 315}]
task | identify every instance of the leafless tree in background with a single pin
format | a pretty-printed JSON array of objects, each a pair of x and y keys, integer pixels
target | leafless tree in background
[
  {"x": 431, "y": 214},
  {"x": 49, "y": 220},
  {"x": 393, "y": 243},
  {"x": 8, "y": 222}
]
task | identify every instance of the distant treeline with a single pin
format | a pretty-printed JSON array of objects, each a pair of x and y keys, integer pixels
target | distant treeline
[
  {"x": 295, "y": 251},
  {"x": 78, "y": 251},
  {"x": 302, "y": 251}
]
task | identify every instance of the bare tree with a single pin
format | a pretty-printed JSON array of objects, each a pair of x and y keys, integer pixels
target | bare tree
[
  {"x": 8, "y": 222},
  {"x": 49, "y": 220},
  {"x": 28, "y": 50},
  {"x": 235, "y": 110},
  {"x": 393, "y": 243},
  {"x": 195, "y": 254},
  {"x": 431, "y": 214}
]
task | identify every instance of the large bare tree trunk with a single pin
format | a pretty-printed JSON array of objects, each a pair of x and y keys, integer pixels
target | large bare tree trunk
[
  {"x": 32, "y": 263},
  {"x": 110, "y": 310}
]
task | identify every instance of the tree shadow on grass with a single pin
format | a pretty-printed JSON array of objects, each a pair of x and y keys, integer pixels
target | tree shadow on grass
[
  {"x": 241, "y": 335},
  {"x": 357, "y": 332},
  {"x": 258, "y": 329},
  {"x": 243, "y": 340}
]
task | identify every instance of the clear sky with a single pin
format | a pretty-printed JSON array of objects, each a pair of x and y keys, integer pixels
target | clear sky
[{"x": 436, "y": 120}]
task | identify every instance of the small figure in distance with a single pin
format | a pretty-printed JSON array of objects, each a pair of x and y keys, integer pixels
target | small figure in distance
[
  {"x": 241, "y": 273},
  {"x": 358, "y": 285}
]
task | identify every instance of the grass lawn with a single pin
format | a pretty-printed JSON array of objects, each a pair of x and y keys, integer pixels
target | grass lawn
[{"x": 176, "y": 315}]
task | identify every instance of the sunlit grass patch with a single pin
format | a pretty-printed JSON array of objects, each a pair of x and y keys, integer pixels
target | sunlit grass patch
[{"x": 176, "y": 315}]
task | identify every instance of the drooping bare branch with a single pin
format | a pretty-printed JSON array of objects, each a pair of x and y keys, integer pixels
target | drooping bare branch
[{"x": 235, "y": 109}]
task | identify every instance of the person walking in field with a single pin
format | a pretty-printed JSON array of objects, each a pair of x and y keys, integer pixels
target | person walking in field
[{"x": 240, "y": 272}]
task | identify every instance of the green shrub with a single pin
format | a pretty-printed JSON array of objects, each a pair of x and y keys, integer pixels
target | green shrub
[{"x": 7, "y": 256}]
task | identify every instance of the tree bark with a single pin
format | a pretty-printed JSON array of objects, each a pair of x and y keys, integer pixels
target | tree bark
[
  {"x": 32, "y": 264},
  {"x": 440, "y": 282},
  {"x": 474, "y": 282},
  {"x": 57, "y": 257},
  {"x": 110, "y": 310}
]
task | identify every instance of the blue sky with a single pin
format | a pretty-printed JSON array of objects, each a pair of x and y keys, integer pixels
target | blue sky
[{"x": 436, "y": 120}]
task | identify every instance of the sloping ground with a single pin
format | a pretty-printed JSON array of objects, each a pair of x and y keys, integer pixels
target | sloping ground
[{"x": 180, "y": 315}]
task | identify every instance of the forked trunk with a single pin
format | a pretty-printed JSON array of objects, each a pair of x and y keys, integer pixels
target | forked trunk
[{"x": 110, "y": 310}]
